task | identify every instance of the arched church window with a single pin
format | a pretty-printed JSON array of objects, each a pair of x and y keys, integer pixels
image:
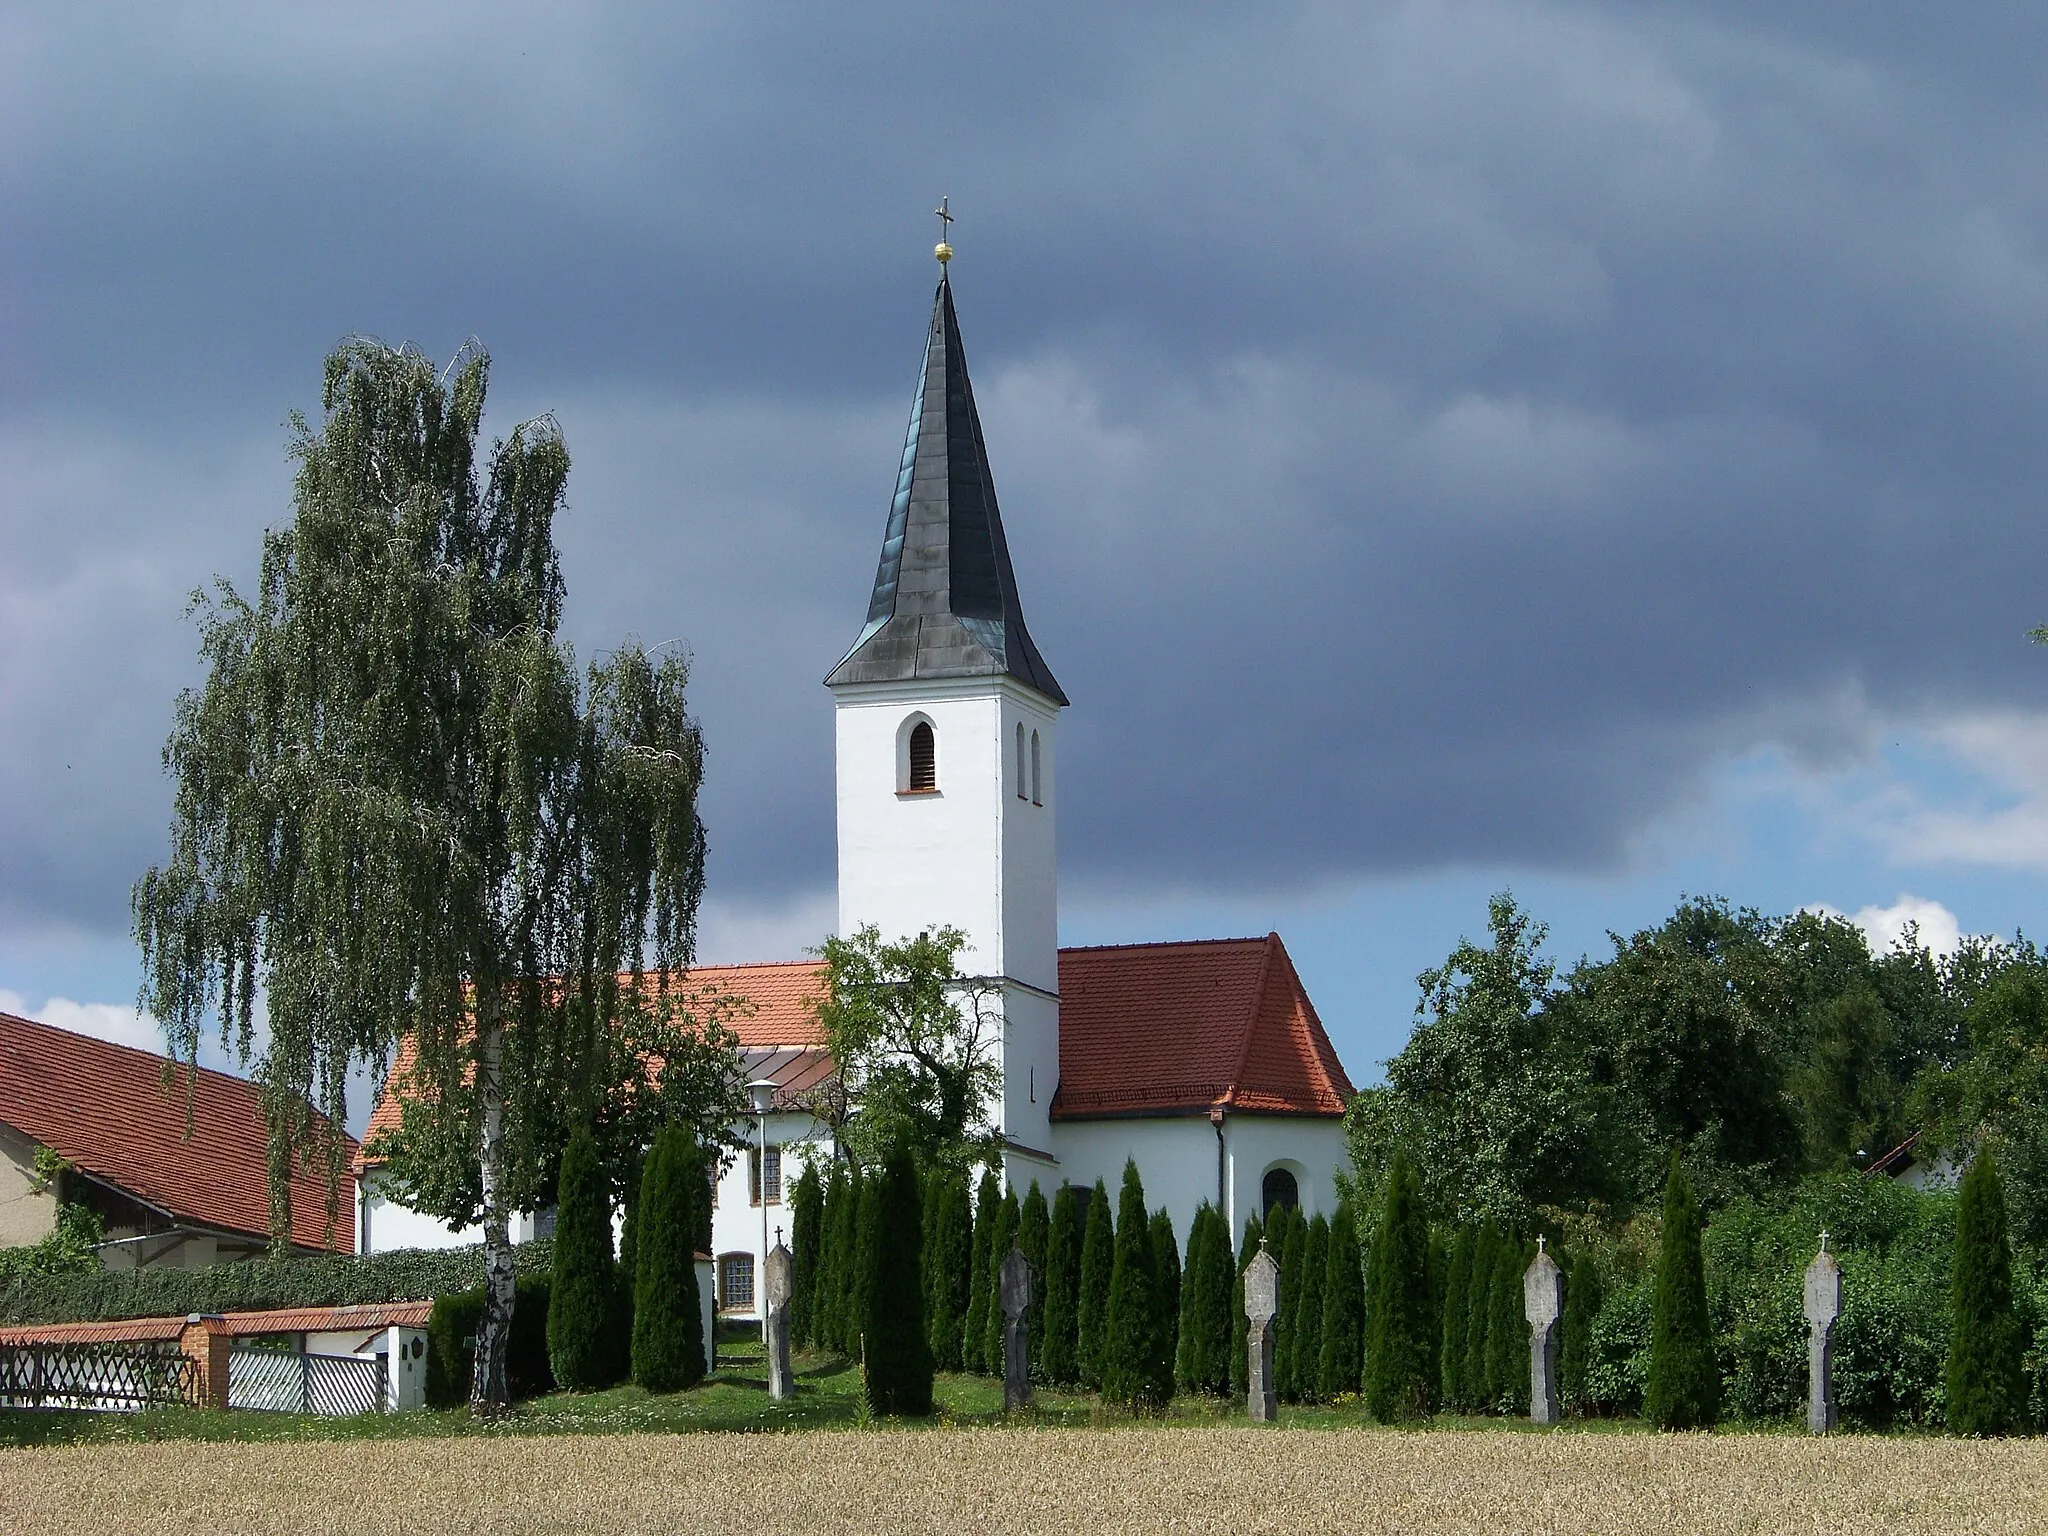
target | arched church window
[
  {"x": 1035, "y": 798},
  {"x": 1022, "y": 788},
  {"x": 924, "y": 757},
  {"x": 1279, "y": 1189}
]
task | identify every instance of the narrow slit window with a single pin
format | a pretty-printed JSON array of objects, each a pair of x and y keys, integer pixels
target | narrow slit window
[
  {"x": 1036, "y": 798},
  {"x": 924, "y": 757},
  {"x": 1022, "y": 785}
]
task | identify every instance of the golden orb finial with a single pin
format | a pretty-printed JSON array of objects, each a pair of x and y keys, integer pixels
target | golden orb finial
[{"x": 943, "y": 250}]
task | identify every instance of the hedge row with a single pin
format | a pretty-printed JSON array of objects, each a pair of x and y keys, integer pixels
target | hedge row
[{"x": 324, "y": 1280}]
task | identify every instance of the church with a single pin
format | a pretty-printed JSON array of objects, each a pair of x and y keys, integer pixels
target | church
[{"x": 1204, "y": 1060}]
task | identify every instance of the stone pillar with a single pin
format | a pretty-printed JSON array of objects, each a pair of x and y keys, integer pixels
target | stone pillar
[
  {"x": 205, "y": 1342},
  {"x": 775, "y": 1295},
  {"x": 1543, "y": 1305},
  {"x": 1015, "y": 1284},
  {"x": 1823, "y": 1306},
  {"x": 1261, "y": 1301}
]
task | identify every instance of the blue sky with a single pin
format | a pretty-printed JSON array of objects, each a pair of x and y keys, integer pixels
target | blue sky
[{"x": 1588, "y": 449}]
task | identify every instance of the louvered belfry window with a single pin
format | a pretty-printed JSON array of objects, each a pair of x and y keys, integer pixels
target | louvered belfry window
[{"x": 924, "y": 757}]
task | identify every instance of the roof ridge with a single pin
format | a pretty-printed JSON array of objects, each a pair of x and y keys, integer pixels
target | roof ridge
[
  {"x": 1079, "y": 949},
  {"x": 1251, "y": 1027}
]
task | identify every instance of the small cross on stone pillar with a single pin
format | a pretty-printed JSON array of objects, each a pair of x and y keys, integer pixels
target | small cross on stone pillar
[
  {"x": 1543, "y": 1305},
  {"x": 1823, "y": 1306},
  {"x": 1261, "y": 1301},
  {"x": 775, "y": 1292},
  {"x": 1015, "y": 1281}
]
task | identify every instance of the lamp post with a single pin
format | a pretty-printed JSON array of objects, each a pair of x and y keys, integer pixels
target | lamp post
[{"x": 762, "y": 1092}]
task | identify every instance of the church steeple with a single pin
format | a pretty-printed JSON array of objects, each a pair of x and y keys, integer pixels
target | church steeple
[{"x": 945, "y": 599}]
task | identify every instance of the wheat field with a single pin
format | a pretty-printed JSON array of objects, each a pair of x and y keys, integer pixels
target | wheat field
[{"x": 1223, "y": 1480}]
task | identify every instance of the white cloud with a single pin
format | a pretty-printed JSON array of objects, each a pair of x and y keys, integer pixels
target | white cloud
[
  {"x": 103, "y": 1021},
  {"x": 1939, "y": 929}
]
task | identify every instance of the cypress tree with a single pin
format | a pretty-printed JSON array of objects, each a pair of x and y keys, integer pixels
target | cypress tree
[
  {"x": 1294, "y": 1240},
  {"x": 1056, "y": 1362},
  {"x": 1582, "y": 1298},
  {"x": 1479, "y": 1317},
  {"x": 1201, "y": 1360},
  {"x": 896, "y": 1366},
  {"x": 1098, "y": 1258},
  {"x": 867, "y": 1231},
  {"x": 668, "y": 1328},
  {"x": 1986, "y": 1387},
  {"x": 1507, "y": 1331},
  {"x": 1396, "y": 1370},
  {"x": 1684, "y": 1389},
  {"x": 625, "y": 1275},
  {"x": 1240, "y": 1325},
  {"x": 949, "y": 1261},
  {"x": 1166, "y": 1292},
  {"x": 1305, "y": 1358},
  {"x": 807, "y": 1216},
  {"x": 988, "y": 1200},
  {"x": 1135, "y": 1369},
  {"x": 1457, "y": 1303},
  {"x": 1001, "y": 1241},
  {"x": 1034, "y": 1232},
  {"x": 824, "y": 1326},
  {"x": 582, "y": 1291},
  {"x": 1340, "y": 1362},
  {"x": 1433, "y": 1321}
]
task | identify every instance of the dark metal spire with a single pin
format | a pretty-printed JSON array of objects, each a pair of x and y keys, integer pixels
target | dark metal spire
[{"x": 945, "y": 599}]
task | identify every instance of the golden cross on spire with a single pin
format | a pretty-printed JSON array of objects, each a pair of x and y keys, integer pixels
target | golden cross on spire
[{"x": 943, "y": 250}]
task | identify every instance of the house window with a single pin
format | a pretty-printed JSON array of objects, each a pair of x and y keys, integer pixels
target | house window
[
  {"x": 774, "y": 1175},
  {"x": 924, "y": 758},
  {"x": 1021, "y": 783},
  {"x": 736, "y": 1282},
  {"x": 1035, "y": 799},
  {"x": 1279, "y": 1189}
]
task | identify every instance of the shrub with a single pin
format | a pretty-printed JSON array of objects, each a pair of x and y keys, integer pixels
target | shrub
[
  {"x": 1098, "y": 1258},
  {"x": 451, "y": 1343},
  {"x": 1582, "y": 1298},
  {"x": 1033, "y": 1233},
  {"x": 1240, "y": 1325},
  {"x": 988, "y": 1202},
  {"x": 1057, "y": 1362},
  {"x": 1396, "y": 1372},
  {"x": 1340, "y": 1361},
  {"x": 1684, "y": 1390},
  {"x": 948, "y": 1261},
  {"x": 1166, "y": 1283},
  {"x": 896, "y": 1364},
  {"x": 807, "y": 1218},
  {"x": 1457, "y": 1304},
  {"x": 1001, "y": 1241},
  {"x": 668, "y": 1327},
  {"x": 1618, "y": 1352},
  {"x": 1986, "y": 1390},
  {"x": 582, "y": 1297},
  {"x": 1135, "y": 1370}
]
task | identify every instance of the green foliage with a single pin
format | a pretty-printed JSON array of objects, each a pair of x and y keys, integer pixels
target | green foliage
[
  {"x": 1340, "y": 1362},
  {"x": 1397, "y": 1383},
  {"x": 1451, "y": 1389},
  {"x": 897, "y": 1360},
  {"x": 1240, "y": 1325},
  {"x": 583, "y": 1292},
  {"x": 1202, "y": 1350},
  {"x": 988, "y": 1205},
  {"x": 1001, "y": 1240},
  {"x": 825, "y": 1309},
  {"x": 1684, "y": 1388},
  {"x": 451, "y": 1343},
  {"x": 1583, "y": 1294},
  {"x": 668, "y": 1324},
  {"x": 1058, "y": 1362},
  {"x": 1305, "y": 1357},
  {"x": 1291, "y": 1254},
  {"x": 948, "y": 1264},
  {"x": 1034, "y": 1223},
  {"x": 1098, "y": 1259},
  {"x": 70, "y": 1248},
  {"x": 1986, "y": 1390},
  {"x": 807, "y": 1219},
  {"x": 1507, "y": 1331},
  {"x": 1995, "y": 1097},
  {"x": 1137, "y": 1371},
  {"x": 1166, "y": 1284},
  {"x": 867, "y": 1231},
  {"x": 1479, "y": 1317},
  {"x": 918, "y": 1046}
]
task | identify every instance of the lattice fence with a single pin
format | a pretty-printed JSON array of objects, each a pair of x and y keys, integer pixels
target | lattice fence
[
  {"x": 275, "y": 1381},
  {"x": 95, "y": 1376}
]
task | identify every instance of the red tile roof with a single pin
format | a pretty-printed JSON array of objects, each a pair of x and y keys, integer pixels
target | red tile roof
[
  {"x": 1183, "y": 1028},
  {"x": 107, "y": 1110},
  {"x": 369, "y": 1318}
]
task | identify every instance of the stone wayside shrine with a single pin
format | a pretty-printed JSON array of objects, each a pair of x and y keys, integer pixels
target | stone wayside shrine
[
  {"x": 1015, "y": 1279},
  {"x": 779, "y": 1269},
  {"x": 1261, "y": 1302},
  {"x": 1823, "y": 1306},
  {"x": 1543, "y": 1304}
]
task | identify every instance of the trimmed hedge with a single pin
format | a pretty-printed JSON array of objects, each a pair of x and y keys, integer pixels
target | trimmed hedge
[
  {"x": 321, "y": 1280},
  {"x": 451, "y": 1342}
]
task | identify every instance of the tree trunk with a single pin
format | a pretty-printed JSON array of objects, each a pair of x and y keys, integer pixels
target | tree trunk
[{"x": 490, "y": 1393}]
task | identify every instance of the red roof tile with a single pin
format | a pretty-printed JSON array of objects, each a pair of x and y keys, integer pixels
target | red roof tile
[
  {"x": 107, "y": 1110},
  {"x": 1160, "y": 1028},
  {"x": 370, "y": 1318}
]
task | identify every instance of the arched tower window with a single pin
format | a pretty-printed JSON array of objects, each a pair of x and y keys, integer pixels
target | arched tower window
[
  {"x": 1279, "y": 1189},
  {"x": 1035, "y": 797},
  {"x": 924, "y": 757},
  {"x": 1023, "y": 789}
]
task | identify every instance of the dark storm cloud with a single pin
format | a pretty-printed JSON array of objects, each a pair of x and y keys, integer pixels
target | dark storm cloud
[{"x": 1429, "y": 434}]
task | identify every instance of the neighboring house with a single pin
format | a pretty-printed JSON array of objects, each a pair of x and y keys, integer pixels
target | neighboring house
[
  {"x": 1205, "y": 1061},
  {"x": 1909, "y": 1164},
  {"x": 120, "y": 1128}
]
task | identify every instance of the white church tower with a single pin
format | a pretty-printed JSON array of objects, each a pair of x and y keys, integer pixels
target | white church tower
[{"x": 947, "y": 721}]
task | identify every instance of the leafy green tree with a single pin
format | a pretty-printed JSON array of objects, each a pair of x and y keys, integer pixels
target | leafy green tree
[
  {"x": 1202, "y": 1354},
  {"x": 918, "y": 1046},
  {"x": 401, "y": 813},
  {"x": 1993, "y": 1093},
  {"x": 1457, "y": 1307},
  {"x": 1000, "y": 1243},
  {"x": 1034, "y": 1233},
  {"x": 1166, "y": 1288},
  {"x": 1507, "y": 1331},
  {"x": 807, "y": 1218},
  {"x": 1684, "y": 1388},
  {"x": 1305, "y": 1359},
  {"x": 1987, "y": 1390},
  {"x": 668, "y": 1324},
  {"x": 1058, "y": 1361},
  {"x": 988, "y": 1204},
  {"x": 949, "y": 1261},
  {"x": 1583, "y": 1294},
  {"x": 1341, "y": 1360},
  {"x": 1098, "y": 1259},
  {"x": 1397, "y": 1304},
  {"x": 897, "y": 1363},
  {"x": 1136, "y": 1369},
  {"x": 582, "y": 1292},
  {"x": 1240, "y": 1325}
]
